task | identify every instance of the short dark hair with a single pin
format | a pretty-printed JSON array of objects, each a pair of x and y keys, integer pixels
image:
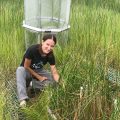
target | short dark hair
[{"x": 50, "y": 36}]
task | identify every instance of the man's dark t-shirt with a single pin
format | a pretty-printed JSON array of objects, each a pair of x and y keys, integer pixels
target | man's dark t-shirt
[{"x": 37, "y": 60}]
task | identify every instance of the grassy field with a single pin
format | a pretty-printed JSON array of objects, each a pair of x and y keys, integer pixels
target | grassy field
[{"x": 92, "y": 50}]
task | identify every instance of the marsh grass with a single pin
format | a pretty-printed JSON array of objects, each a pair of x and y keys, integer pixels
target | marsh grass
[
  {"x": 38, "y": 107},
  {"x": 1, "y": 103},
  {"x": 93, "y": 44},
  {"x": 92, "y": 49},
  {"x": 12, "y": 34}
]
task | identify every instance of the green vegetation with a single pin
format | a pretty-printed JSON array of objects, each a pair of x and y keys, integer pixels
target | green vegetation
[{"x": 92, "y": 50}]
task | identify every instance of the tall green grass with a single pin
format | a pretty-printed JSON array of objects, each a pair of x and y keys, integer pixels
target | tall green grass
[
  {"x": 93, "y": 48},
  {"x": 12, "y": 34},
  {"x": 1, "y": 104},
  {"x": 93, "y": 44}
]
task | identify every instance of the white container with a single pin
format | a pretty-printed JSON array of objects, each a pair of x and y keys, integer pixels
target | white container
[{"x": 46, "y": 15}]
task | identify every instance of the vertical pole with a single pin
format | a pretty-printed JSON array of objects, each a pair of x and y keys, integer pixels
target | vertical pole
[
  {"x": 59, "y": 16},
  {"x": 26, "y": 39},
  {"x": 39, "y": 15},
  {"x": 39, "y": 37},
  {"x": 52, "y": 10},
  {"x": 67, "y": 10}
]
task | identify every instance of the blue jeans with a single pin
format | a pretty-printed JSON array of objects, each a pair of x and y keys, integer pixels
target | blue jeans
[{"x": 24, "y": 78}]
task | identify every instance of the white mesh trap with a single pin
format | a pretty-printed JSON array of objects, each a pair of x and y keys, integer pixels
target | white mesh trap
[{"x": 46, "y": 15}]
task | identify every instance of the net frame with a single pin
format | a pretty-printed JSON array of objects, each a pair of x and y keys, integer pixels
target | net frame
[{"x": 61, "y": 20}]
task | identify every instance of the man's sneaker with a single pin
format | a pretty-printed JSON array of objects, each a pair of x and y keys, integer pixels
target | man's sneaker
[{"x": 23, "y": 103}]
